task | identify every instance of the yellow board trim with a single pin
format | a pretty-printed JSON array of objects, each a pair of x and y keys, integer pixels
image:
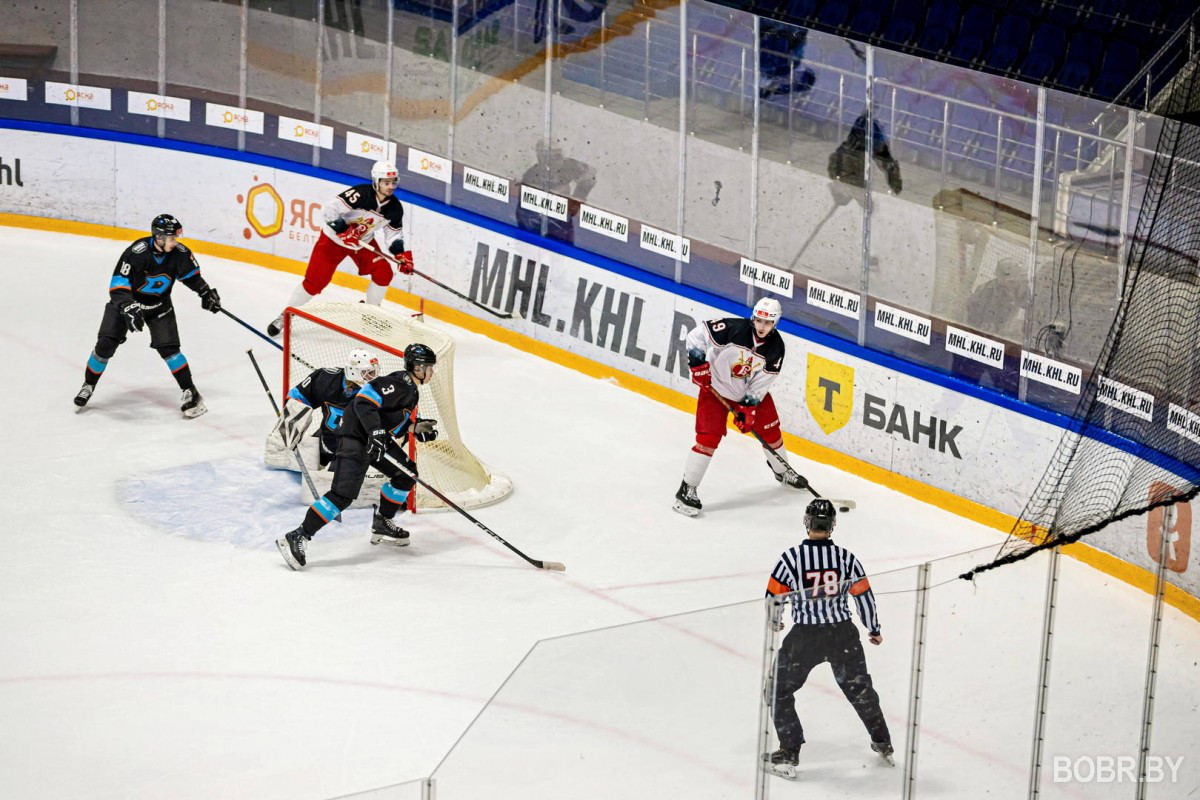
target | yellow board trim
[{"x": 960, "y": 506}]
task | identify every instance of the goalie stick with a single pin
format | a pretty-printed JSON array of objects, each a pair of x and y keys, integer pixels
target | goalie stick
[
  {"x": 299, "y": 461},
  {"x": 455, "y": 292},
  {"x": 842, "y": 504},
  {"x": 550, "y": 565}
]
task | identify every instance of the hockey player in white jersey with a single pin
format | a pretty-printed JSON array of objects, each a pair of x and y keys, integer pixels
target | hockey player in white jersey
[
  {"x": 738, "y": 360},
  {"x": 353, "y": 218}
]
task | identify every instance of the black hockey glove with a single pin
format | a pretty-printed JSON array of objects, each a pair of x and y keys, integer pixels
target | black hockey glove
[
  {"x": 339, "y": 225},
  {"x": 209, "y": 300},
  {"x": 396, "y": 247},
  {"x": 131, "y": 313},
  {"x": 425, "y": 430},
  {"x": 377, "y": 445}
]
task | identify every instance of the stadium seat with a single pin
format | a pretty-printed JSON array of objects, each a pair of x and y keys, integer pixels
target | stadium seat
[
  {"x": 978, "y": 26},
  {"x": 901, "y": 31},
  {"x": 834, "y": 14},
  {"x": 1142, "y": 16},
  {"x": 1102, "y": 16},
  {"x": 867, "y": 21},
  {"x": 1117, "y": 70},
  {"x": 1044, "y": 52},
  {"x": 940, "y": 24},
  {"x": 1065, "y": 12},
  {"x": 1010, "y": 39},
  {"x": 1082, "y": 59}
]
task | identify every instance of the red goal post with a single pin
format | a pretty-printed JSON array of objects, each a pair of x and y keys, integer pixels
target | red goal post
[{"x": 322, "y": 334}]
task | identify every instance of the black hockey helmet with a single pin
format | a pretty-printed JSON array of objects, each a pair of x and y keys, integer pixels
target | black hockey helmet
[
  {"x": 417, "y": 353},
  {"x": 820, "y": 515},
  {"x": 165, "y": 225}
]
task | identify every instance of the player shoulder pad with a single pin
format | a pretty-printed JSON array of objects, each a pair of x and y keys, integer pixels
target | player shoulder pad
[
  {"x": 724, "y": 331},
  {"x": 332, "y": 370},
  {"x": 393, "y": 212},
  {"x": 180, "y": 247},
  {"x": 139, "y": 246}
]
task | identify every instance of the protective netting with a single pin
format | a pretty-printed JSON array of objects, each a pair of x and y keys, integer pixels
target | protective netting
[
  {"x": 1134, "y": 443},
  {"x": 322, "y": 335}
]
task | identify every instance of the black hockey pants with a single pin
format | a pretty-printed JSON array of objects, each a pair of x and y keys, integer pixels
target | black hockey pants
[{"x": 806, "y": 646}]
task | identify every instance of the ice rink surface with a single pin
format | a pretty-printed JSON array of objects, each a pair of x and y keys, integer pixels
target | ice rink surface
[{"x": 155, "y": 645}]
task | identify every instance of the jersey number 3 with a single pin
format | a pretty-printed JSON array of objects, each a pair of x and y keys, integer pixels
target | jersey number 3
[{"x": 822, "y": 582}]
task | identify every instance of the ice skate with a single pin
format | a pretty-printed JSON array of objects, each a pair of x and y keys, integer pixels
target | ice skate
[
  {"x": 782, "y": 763},
  {"x": 85, "y": 394},
  {"x": 192, "y": 404},
  {"x": 687, "y": 502},
  {"x": 291, "y": 547},
  {"x": 884, "y": 749},
  {"x": 386, "y": 531},
  {"x": 276, "y": 327},
  {"x": 791, "y": 478}
]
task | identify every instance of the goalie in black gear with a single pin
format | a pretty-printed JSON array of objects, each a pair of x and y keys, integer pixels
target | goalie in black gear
[
  {"x": 140, "y": 297},
  {"x": 818, "y": 576},
  {"x": 380, "y": 412},
  {"x": 329, "y": 390}
]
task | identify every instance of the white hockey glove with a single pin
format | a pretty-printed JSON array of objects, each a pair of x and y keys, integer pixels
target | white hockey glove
[{"x": 293, "y": 423}]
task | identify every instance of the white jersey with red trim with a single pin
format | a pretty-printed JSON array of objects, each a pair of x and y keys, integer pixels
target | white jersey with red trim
[
  {"x": 743, "y": 366},
  {"x": 360, "y": 209}
]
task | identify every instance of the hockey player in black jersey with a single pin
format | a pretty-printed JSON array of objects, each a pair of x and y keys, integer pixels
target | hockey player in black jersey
[
  {"x": 354, "y": 218},
  {"x": 379, "y": 413},
  {"x": 818, "y": 576},
  {"x": 140, "y": 297},
  {"x": 735, "y": 360},
  {"x": 329, "y": 390}
]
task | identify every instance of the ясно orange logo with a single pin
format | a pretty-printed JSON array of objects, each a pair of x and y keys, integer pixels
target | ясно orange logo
[
  {"x": 266, "y": 211},
  {"x": 1179, "y": 534}
]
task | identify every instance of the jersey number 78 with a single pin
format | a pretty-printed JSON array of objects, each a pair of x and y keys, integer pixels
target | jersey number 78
[{"x": 822, "y": 582}]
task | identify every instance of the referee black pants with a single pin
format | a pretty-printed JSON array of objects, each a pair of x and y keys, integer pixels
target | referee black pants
[{"x": 806, "y": 646}]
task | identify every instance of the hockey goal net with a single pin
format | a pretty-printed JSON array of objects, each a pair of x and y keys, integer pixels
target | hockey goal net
[{"x": 322, "y": 335}]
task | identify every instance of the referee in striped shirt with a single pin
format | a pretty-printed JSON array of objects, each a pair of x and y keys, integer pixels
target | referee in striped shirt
[{"x": 821, "y": 575}]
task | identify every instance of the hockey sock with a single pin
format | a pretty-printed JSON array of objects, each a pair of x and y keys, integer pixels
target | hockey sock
[
  {"x": 180, "y": 369},
  {"x": 697, "y": 465},
  {"x": 391, "y": 500},
  {"x": 319, "y": 515},
  {"x": 779, "y": 461},
  {"x": 299, "y": 297},
  {"x": 375, "y": 293},
  {"x": 95, "y": 368}
]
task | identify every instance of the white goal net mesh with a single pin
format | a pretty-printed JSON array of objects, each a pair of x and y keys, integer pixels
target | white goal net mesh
[{"x": 322, "y": 335}]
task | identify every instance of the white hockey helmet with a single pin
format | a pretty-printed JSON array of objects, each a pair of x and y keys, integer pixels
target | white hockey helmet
[
  {"x": 768, "y": 310},
  {"x": 383, "y": 170},
  {"x": 361, "y": 366}
]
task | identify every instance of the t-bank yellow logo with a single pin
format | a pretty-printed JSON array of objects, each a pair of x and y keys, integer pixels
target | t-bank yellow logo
[{"x": 829, "y": 392}]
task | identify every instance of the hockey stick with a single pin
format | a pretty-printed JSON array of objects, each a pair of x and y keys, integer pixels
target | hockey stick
[
  {"x": 256, "y": 332},
  {"x": 300, "y": 461},
  {"x": 455, "y": 292},
  {"x": 550, "y": 565},
  {"x": 843, "y": 504}
]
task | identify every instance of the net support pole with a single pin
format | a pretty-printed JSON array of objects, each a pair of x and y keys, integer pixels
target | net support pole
[
  {"x": 1043, "y": 692},
  {"x": 1160, "y": 588},
  {"x": 916, "y": 680},
  {"x": 774, "y": 614}
]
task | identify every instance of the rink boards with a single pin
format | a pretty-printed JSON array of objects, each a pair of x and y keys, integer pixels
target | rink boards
[{"x": 929, "y": 435}]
